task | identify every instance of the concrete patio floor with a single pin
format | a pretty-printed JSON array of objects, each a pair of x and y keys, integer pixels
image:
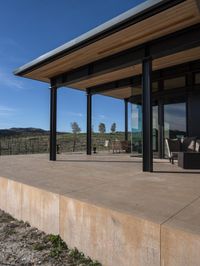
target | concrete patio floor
[{"x": 168, "y": 198}]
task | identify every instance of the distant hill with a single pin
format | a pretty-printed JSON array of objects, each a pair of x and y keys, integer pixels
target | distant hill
[
  {"x": 31, "y": 131},
  {"x": 23, "y": 131}
]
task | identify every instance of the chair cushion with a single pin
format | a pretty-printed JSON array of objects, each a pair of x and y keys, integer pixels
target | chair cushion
[
  {"x": 197, "y": 146},
  {"x": 189, "y": 144}
]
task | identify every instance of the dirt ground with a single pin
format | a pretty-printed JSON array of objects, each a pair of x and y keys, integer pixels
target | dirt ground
[{"x": 21, "y": 244}]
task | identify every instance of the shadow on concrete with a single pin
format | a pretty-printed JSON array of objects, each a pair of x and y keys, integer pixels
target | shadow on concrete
[
  {"x": 176, "y": 172},
  {"x": 95, "y": 161}
]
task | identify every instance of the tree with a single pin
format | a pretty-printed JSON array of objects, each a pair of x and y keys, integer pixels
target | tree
[
  {"x": 102, "y": 128},
  {"x": 113, "y": 128},
  {"x": 75, "y": 130}
]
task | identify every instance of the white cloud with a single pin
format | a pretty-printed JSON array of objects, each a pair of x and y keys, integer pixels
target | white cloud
[
  {"x": 6, "y": 111},
  {"x": 102, "y": 117},
  {"x": 9, "y": 80},
  {"x": 75, "y": 114}
]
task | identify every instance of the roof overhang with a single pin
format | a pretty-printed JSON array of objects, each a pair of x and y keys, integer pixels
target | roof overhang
[{"x": 145, "y": 25}]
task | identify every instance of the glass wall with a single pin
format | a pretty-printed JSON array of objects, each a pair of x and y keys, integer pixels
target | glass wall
[
  {"x": 174, "y": 120},
  {"x": 174, "y": 112},
  {"x": 174, "y": 125},
  {"x": 136, "y": 122},
  {"x": 155, "y": 130},
  {"x": 136, "y": 125}
]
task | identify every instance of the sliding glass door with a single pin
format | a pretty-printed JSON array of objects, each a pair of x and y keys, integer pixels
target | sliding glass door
[
  {"x": 136, "y": 121},
  {"x": 174, "y": 125},
  {"x": 174, "y": 120}
]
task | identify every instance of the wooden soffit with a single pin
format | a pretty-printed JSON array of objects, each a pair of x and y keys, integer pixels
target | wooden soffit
[{"x": 171, "y": 20}]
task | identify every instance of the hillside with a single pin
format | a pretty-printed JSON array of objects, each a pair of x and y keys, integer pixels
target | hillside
[
  {"x": 22, "y": 131},
  {"x": 34, "y": 140}
]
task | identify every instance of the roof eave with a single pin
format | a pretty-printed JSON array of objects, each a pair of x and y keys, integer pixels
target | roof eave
[{"x": 113, "y": 25}]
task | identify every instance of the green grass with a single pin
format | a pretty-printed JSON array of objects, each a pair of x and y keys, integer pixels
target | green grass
[{"x": 76, "y": 257}]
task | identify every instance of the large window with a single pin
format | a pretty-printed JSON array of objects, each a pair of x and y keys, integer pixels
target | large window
[
  {"x": 175, "y": 120},
  {"x": 155, "y": 130},
  {"x": 136, "y": 121}
]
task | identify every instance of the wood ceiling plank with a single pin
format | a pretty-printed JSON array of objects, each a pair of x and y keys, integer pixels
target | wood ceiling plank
[{"x": 175, "y": 59}]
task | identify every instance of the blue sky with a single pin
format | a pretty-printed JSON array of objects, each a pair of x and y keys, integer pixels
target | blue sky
[{"x": 29, "y": 28}]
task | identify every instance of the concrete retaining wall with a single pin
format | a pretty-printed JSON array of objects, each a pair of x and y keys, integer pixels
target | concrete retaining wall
[{"x": 113, "y": 238}]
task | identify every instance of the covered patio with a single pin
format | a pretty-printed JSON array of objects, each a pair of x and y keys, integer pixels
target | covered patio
[
  {"x": 124, "y": 58},
  {"x": 107, "y": 207}
]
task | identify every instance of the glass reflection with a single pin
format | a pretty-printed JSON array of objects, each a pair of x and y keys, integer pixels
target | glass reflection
[{"x": 175, "y": 120}]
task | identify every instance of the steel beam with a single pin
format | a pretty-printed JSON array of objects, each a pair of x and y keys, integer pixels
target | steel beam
[
  {"x": 147, "y": 115},
  {"x": 53, "y": 116},
  {"x": 165, "y": 73},
  {"x": 125, "y": 119},
  {"x": 89, "y": 122},
  {"x": 118, "y": 84},
  {"x": 175, "y": 93},
  {"x": 175, "y": 42}
]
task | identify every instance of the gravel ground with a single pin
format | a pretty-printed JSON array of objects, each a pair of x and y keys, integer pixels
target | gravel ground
[{"x": 21, "y": 244}]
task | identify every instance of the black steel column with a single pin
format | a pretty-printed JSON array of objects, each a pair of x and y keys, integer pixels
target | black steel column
[
  {"x": 125, "y": 119},
  {"x": 161, "y": 136},
  {"x": 53, "y": 116},
  {"x": 161, "y": 141},
  {"x": 89, "y": 122},
  {"x": 147, "y": 115},
  {"x": 190, "y": 87}
]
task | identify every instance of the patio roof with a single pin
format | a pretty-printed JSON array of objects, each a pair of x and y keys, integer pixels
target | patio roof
[{"x": 81, "y": 59}]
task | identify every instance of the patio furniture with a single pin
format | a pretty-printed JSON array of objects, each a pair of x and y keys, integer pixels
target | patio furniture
[
  {"x": 197, "y": 145},
  {"x": 173, "y": 148},
  {"x": 106, "y": 145},
  {"x": 188, "y": 144},
  {"x": 116, "y": 146},
  {"x": 189, "y": 160},
  {"x": 94, "y": 149},
  {"x": 126, "y": 146},
  {"x": 58, "y": 146},
  {"x": 121, "y": 146}
]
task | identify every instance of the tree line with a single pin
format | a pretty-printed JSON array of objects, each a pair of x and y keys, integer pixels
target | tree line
[{"x": 102, "y": 128}]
